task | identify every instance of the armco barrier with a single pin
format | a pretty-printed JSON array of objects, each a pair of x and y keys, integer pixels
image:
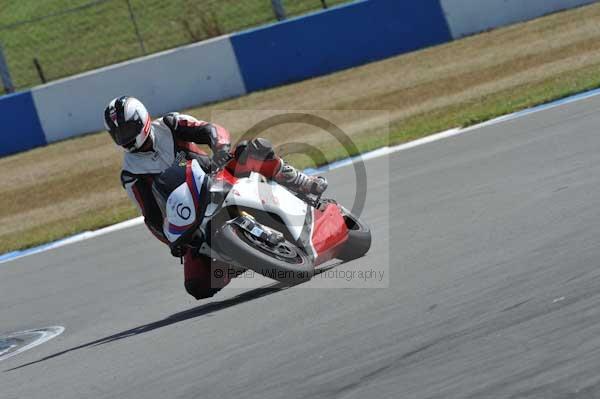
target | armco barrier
[
  {"x": 19, "y": 124},
  {"x": 340, "y": 38},
  {"x": 304, "y": 47},
  {"x": 168, "y": 81},
  {"x": 466, "y": 17}
]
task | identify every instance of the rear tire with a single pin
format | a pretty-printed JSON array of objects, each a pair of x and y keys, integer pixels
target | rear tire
[
  {"x": 293, "y": 267},
  {"x": 359, "y": 238}
]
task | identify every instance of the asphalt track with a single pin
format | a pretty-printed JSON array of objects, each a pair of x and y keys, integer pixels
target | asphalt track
[{"x": 494, "y": 290}]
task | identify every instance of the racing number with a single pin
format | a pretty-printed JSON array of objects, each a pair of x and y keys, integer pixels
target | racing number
[{"x": 183, "y": 212}]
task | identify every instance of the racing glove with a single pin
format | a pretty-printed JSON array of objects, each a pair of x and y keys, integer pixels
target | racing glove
[{"x": 222, "y": 156}]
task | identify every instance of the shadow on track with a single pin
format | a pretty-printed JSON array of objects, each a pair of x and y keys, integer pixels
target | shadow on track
[{"x": 173, "y": 319}]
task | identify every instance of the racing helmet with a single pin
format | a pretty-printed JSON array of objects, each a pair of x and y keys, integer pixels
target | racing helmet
[{"x": 128, "y": 122}]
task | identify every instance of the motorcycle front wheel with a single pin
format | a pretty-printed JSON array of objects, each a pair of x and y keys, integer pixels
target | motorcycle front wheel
[{"x": 283, "y": 262}]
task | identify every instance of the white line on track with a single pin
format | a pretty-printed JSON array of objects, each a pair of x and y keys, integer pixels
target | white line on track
[
  {"x": 45, "y": 335},
  {"x": 381, "y": 152}
]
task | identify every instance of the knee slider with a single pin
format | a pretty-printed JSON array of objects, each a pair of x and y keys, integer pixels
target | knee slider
[{"x": 199, "y": 289}]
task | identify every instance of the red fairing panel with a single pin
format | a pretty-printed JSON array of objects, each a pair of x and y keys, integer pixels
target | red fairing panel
[
  {"x": 267, "y": 168},
  {"x": 329, "y": 231},
  {"x": 226, "y": 176}
]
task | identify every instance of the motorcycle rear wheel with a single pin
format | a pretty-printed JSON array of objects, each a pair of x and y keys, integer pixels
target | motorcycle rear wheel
[
  {"x": 285, "y": 262},
  {"x": 359, "y": 238}
]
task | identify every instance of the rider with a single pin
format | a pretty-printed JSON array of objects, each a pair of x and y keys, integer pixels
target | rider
[{"x": 151, "y": 147}]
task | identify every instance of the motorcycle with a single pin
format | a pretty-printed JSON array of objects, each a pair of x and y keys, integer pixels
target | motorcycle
[{"x": 255, "y": 223}]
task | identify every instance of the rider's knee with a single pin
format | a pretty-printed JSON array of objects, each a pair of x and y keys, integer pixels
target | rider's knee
[{"x": 199, "y": 289}]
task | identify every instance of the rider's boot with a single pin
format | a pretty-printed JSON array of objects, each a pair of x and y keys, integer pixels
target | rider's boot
[{"x": 299, "y": 182}]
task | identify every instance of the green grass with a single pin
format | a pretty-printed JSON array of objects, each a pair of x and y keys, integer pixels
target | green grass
[
  {"x": 53, "y": 231},
  {"x": 103, "y": 34},
  {"x": 467, "y": 113},
  {"x": 497, "y": 104}
]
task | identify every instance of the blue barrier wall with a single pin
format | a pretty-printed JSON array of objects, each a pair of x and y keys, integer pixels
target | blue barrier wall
[
  {"x": 20, "y": 124},
  {"x": 340, "y": 38},
  {"x": 466, "y": 17},
  {"x": 168, "y": 81}
]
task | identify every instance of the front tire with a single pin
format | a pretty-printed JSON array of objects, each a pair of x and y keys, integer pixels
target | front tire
[{"x": 285, "y": 262}]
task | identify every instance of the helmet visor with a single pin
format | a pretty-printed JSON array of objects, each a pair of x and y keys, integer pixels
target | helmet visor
[
  {"x": 127, "y": 132},
  {"x": 128, "y": 122}
]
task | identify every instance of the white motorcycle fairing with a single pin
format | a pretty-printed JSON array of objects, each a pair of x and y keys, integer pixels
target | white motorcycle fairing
[
  {"x": 182, "y": 203},
  {"x": 255, "y": 193}
]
